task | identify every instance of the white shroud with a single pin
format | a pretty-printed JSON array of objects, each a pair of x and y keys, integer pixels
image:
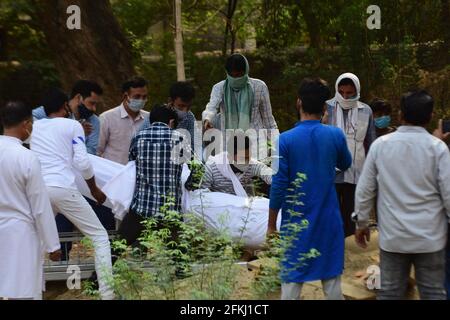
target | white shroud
[{"x": 241, "y": 218}]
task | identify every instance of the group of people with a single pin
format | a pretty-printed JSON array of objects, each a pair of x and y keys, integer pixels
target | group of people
[{"x": 353, "y": 160}]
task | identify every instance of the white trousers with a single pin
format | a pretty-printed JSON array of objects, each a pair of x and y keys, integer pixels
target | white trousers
[
  {"x": 331, "y": 288},
  {"x": 77, "y": 210}
]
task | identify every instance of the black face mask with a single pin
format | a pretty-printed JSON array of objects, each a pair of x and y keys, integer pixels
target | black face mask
[{"x": 84, "y": 112}]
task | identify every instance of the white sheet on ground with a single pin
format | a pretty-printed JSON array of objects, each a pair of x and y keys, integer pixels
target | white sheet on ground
[{"x": 241, "y": 217}]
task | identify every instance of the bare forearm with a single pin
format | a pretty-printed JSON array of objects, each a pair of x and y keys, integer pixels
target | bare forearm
[
  {"x": 91, "y": 183},
  {"x": 273, "y": 215}
]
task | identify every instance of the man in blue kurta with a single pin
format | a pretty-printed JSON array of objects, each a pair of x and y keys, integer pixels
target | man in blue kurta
[{"x": 317, "y": 151}]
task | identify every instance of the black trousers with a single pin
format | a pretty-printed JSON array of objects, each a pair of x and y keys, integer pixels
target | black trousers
[
  {"x": 346, "y": 198},
  {"x": 131, "y": 230}
]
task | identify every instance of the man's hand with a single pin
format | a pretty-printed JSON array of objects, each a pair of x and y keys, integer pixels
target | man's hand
[
  {"x": 207, "y": 125},
  {"x": 98, "y": 195},
  {"x": 87, "y": 127},
  {"x": 439, "y": 132},
  {"x": 55, "y": 256},
  {"x": 361, "y": 236}
]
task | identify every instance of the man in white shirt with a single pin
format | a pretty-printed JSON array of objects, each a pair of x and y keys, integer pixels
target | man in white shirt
[
  {"x": 27, "y": 224},
  {"x": 408, "y": 172},
  {"x": 119, "y": 125},
  {"x": 60, "y": 146}
]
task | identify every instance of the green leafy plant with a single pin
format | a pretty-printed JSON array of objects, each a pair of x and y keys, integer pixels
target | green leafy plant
[{"x": 178, "y": 258}]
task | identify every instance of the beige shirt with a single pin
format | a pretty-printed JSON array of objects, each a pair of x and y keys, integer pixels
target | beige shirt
[
  {"x": 408, "y": 173},
  {"x": 117, "y": 129}
]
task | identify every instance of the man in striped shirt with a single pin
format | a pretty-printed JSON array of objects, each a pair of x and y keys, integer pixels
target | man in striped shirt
[{"x": 220, "y": 171}]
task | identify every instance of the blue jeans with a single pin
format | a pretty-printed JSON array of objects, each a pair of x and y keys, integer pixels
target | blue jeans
[{"x": 63, "y": 224}]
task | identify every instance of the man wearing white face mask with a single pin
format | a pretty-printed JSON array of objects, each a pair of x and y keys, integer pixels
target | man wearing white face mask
[
  {"x": 355, "y": 118},
  {"x": 119, "y": 125},
  {"x": 181, "y": 98}
]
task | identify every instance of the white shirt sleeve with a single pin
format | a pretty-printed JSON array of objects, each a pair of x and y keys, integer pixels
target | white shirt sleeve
[
  {"x": 80, "y": 156},
  {"x": 444, "y": 178},
  {"x": 366, "y": 189},
  {"x": 262, "y": 171},
  {"x": 214, "y": 102},
  {"x": 41, "y": 208}
]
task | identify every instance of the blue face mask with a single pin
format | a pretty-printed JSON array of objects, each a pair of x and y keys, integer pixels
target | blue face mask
[{"x": 382, "y": 122}]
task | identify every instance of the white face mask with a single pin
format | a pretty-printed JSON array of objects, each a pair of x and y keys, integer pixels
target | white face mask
[
  {"x": 347, "y": 104},
  {"x": 181, "y": 114},
  {"x": 136, "y": 105}
]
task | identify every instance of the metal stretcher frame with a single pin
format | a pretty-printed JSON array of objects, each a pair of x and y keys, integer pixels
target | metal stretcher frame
[{"x": 58, "y": 271}]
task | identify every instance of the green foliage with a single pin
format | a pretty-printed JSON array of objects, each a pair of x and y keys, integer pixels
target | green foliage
[
  {"x": 87, "y": 243},
  {"x": 178, "y": 258}
]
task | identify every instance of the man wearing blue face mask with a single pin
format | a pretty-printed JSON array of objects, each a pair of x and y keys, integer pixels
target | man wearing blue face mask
[
  {"x": 382, "y": 117},
  {"x": 119, "y": 125}
]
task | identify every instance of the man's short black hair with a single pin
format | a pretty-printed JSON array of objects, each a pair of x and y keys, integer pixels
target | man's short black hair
[
  {"x": 85, "y": 88},
  {"x": 163, "y": 113},
  {"x": 14, "y": 113},
  {"x": 313, "y": 93},
  {"x": 183, "y": 90},
  {"x": 135, "y": 82},
  {"x": 235, "y": 62},
  {"x": 346, "y": 82},
  {"x": 54, "y": 100},
  {"x": 380, "y": 106},
  {"x": 236, "y": 143},
  {"x": 417, "y": 107}
]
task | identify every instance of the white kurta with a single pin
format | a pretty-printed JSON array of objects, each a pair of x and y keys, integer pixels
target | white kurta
[{"x": 27, "y": 223}]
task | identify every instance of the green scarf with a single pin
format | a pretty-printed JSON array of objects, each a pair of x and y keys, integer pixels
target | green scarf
[{"x": 238, "y": 98}]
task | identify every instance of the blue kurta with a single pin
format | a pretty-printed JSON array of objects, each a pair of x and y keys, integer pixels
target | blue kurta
[{"x": 315, "y": 150}]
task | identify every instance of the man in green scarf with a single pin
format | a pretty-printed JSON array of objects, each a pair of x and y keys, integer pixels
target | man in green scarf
[
  {"x": 238, "y": 98},
  {"x": 239, "y": 102}
]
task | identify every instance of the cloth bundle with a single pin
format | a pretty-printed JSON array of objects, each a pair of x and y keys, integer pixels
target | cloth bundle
[{"x": 242, "y": 218}]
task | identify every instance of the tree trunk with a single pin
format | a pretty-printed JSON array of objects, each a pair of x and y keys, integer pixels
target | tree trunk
[
  {"x": 233, "y": 41},
  {"x": 181, "y": 75},
  {"x": 312, "y": 23},
  {"x": 229, "y": 26},
  {"x": 99, "y": 51}
]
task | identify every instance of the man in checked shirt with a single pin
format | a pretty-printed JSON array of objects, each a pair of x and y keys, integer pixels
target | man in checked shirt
[{"x": 159, "y": 152}]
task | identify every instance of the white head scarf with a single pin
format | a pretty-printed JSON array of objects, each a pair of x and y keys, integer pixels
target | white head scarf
[{"x": 347, "y": 104}]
